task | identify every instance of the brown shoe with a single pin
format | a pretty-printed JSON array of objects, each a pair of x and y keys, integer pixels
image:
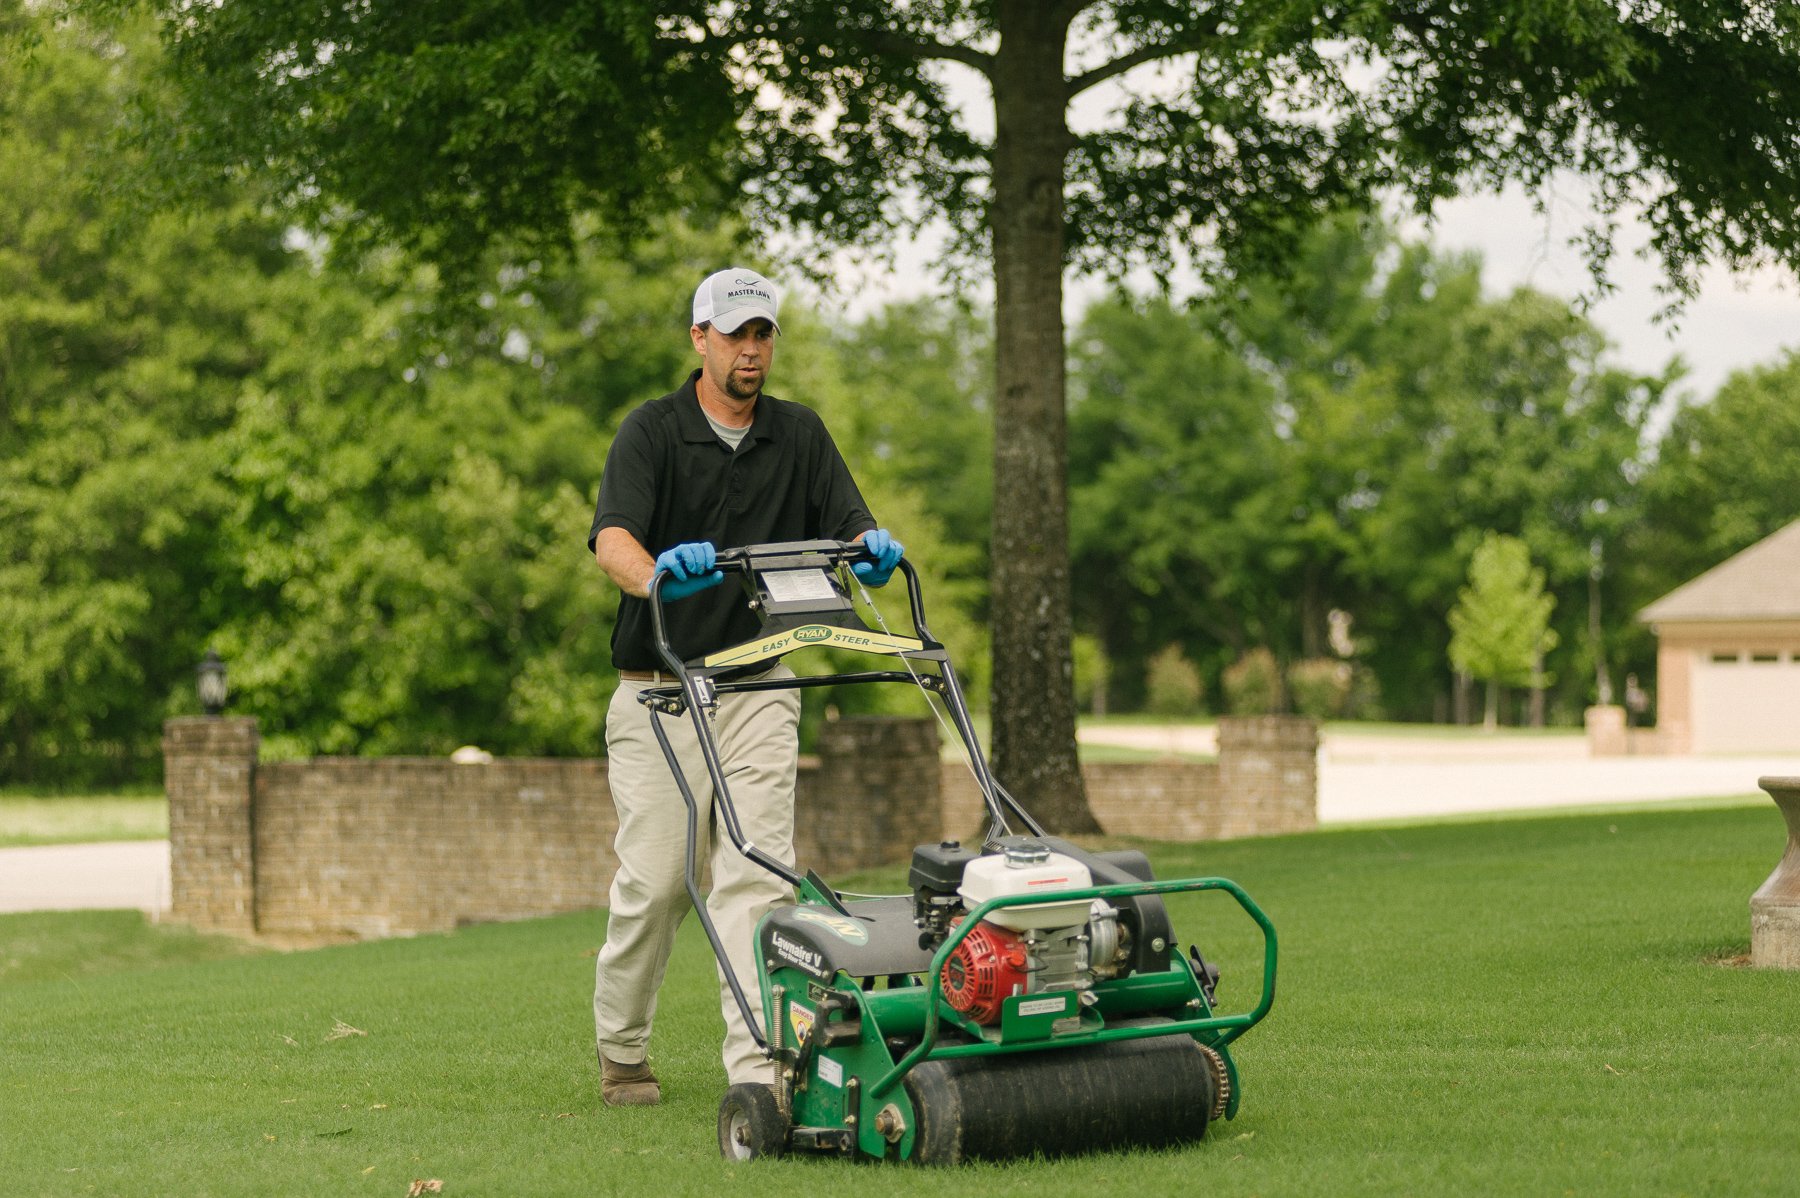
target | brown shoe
[{"x": 628, "y": 1085}]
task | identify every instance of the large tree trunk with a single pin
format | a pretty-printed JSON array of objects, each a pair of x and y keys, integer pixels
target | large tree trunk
[{"x": 1034, "y": 683}]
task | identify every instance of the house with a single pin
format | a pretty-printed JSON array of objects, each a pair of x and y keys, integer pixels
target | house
[{"x": 1728, "y": 653}]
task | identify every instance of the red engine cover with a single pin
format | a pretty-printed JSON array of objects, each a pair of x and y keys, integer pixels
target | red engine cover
[{"x": 988, "y": 966}]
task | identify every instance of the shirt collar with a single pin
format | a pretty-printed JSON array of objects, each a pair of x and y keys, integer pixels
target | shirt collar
[{"x": 695, "y": 426}]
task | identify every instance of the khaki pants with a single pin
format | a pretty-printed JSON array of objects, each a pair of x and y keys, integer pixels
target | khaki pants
[{"x": 758, "y": 741}]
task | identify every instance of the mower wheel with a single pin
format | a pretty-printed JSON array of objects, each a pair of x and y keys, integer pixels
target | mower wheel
[{"x": 751, "y": 1123}]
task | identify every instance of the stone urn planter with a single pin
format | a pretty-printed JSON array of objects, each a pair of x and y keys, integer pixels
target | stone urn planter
[{"x": 1775, "y": 907}]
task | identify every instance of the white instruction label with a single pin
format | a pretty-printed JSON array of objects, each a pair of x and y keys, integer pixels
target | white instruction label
[
  {"x": 789, "y": 586},
  {"x": 831, "y": 1072},
  {"x": 1045, "y": 1006}
]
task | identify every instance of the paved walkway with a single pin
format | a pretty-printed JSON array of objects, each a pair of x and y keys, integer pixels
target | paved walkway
[
  {"x": 70, "y": 877},
  {"x": 1361, "y": 778}
]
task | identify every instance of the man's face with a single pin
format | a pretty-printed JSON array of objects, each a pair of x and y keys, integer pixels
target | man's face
[{"x": 736, "y": 363}]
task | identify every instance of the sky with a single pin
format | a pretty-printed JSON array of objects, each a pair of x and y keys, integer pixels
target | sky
[{"x": 1733, "y": 323}]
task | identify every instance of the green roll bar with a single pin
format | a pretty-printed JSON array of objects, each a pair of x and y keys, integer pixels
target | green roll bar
[{"x": 1229, "y": 1027}]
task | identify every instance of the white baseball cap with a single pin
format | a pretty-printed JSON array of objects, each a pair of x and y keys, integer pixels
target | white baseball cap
[{"x": 732, "y": 296}]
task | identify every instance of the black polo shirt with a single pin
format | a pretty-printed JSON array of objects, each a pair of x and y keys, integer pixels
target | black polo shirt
[{"x": 669, "y": 479}]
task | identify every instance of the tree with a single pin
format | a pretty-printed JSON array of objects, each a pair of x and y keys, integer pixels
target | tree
[
  {"x": 1533, "y": 436},
  {"x": 1500, "y": 626},
  {"x": 1180, "y": 503},
  {"x": 367, "y": 491},
  {"x": 120, "y": 353},
  {"x": 451, "y": 126},
  {"x": 1335, "y": 438},
  {"x": 920, "y": 376},
  {"x": 1726, "y": 475}
]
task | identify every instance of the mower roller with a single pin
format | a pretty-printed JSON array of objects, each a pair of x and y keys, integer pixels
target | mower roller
[{"x": 1026, "y": 997}]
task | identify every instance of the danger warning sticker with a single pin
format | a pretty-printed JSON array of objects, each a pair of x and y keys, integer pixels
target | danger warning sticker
[{"x": 801, "y": 1020}]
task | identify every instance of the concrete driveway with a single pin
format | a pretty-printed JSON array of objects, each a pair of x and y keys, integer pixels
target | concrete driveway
[{"x": 1374, "y": 776}]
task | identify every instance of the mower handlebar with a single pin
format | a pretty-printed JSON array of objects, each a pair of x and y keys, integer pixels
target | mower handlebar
[{"x": 779, "y": 555}]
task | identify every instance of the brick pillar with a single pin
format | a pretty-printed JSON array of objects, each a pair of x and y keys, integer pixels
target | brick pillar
[
  {"x": 1606, "y": 734},
  {"x": 875, "y": 796},
  {"x": 1775, "y": 907},
  {"x": 209, "y": 767},
  {"x": 1268, "y": 774}
]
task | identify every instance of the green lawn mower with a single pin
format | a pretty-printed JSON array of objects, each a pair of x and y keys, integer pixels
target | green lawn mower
[{"x": 1027, "y": 997}]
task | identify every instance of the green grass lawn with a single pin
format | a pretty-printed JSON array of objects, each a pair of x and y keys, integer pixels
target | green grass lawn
[
  {"x": 73, "y": 819},
  {"x": 1534, "y": 1006}
]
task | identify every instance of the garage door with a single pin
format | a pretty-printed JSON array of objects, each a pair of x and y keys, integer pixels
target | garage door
[{"x": 1746, "y": 703}]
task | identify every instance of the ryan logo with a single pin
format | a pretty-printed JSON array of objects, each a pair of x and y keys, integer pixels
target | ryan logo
[
  {"x": 815, "y": 634},
  {"x": 845, "y": 929}
]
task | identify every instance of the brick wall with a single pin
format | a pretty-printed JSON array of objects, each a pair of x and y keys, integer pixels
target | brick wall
[
  {"x": 383, "y": 846},
  {"x": 1264, "y": 782},
  {"x": 1162, "y": 800},
  {"x": 392, "y": 846},
  {"x": 871, "y": 795}
]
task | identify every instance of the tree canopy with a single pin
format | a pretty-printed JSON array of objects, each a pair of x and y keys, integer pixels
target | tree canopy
[
  {"x": 1725, "y": 476},
  {"x": 366, "y": 491},
  {"x": 835, "y": 118},
  {"x": 107, "y": 344},
  {"x": 1338, "y": 438},
  {"x": 1236, "y": 125}
]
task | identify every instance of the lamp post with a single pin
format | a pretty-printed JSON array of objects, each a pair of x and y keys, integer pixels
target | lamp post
[{"x": 209, "y": 680}]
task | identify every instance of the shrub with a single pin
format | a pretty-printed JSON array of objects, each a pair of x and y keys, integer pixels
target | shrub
[
  {"x": 1253, "y": 684},
  {"x": 1364, "y": 702},
  {"x": 1172, "y": 684},
  {"x": 1320, "y": 687}
]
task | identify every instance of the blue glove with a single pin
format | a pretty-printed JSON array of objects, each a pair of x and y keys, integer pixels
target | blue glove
[
  {"x": 885, "y": 551},
  {"x": 690, "y": 569}
]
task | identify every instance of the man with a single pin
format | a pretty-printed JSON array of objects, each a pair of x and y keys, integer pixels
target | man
[{"x": 714, "y": 464}]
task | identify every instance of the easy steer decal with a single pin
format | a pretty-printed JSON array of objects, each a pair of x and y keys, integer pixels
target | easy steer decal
[{"x": 814, "y": 634}]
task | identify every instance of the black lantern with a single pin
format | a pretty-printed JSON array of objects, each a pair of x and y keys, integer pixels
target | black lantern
[{"x": 209, "y": 678}]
